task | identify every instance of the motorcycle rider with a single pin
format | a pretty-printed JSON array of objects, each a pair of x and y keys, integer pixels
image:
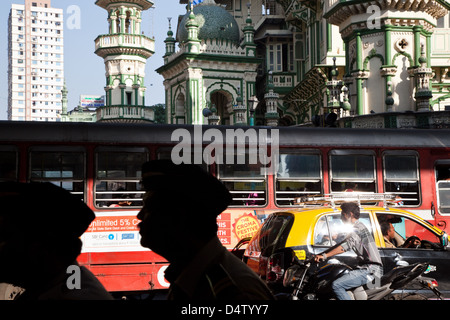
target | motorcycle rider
[{"x": 362, "y": 243}]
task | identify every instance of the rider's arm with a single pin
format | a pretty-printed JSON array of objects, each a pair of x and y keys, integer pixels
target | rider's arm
[
  {"x": 339, "y": 248},
  {"x": 332, "y": 252}
]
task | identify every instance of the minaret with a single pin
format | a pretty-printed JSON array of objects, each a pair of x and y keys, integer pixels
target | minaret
[
  {"x": 240, "y": 111},
  {"x": 64, "y": 100},
  {"x": 125, "y": 50},
  {"x": 249, "y": 35},
  {"x": 193, "y": 43},
  {"x": 170, "y": 42},
  {"x": 271, "y": 97},
  {"x": 423, "y": 76}
]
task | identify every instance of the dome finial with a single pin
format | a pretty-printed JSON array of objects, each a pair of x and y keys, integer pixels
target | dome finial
[{"x": 170, "y": 33}]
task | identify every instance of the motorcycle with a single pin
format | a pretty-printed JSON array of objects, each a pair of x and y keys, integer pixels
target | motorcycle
[{"x": 317, "y": 285}]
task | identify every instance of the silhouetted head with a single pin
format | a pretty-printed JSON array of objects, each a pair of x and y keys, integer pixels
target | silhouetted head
[{"x": 180, "y": 201}]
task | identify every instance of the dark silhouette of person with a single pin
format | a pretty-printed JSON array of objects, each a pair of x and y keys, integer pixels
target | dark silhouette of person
[
  {"x": 179, "y": 222},
  {"x": 40, "y": 229}
]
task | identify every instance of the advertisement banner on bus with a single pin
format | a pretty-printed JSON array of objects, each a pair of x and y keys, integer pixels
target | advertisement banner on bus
[{"x": 113, "y": 233}]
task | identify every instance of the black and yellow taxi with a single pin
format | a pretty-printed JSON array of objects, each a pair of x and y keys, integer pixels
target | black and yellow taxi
[{"x": 318, "y": 226}]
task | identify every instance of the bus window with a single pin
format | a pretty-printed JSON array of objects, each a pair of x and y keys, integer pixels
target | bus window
[
  {"x": 118, "y": 175},
  {"x": 8, "y": 161},
  {"x": 298, "y": 174},
  {"x": 442, "y": 170},
  {"x": 401, "y": 177},
  {"x": 246, "y": 182},
  {"x": 62, "y": 167},
  {"x": 352, "y": 171}
]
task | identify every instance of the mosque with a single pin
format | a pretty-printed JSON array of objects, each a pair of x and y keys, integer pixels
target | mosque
[
  {"x": 355, "y": 64},
  {"x": 322, "y": 63},
  {"x": 212, "y": 77}
]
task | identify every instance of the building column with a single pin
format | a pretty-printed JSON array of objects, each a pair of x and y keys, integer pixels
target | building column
[
  {"x": 122, "y": 93},
  {"x": 387, "y": 60},
  {"x": 195, "y": 115},
  {"x": 108, "y": 95},
  {"x": 143, "y": 89},
  {"x": 136, "y": 94},
  {"x": 417, "y": 30},
  {"x": 359, "y": 67}
]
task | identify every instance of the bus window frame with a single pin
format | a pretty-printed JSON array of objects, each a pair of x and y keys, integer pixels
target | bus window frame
[
  {"x": 15, "y": 150},
  {"x": 350, "y": 152},
  {"x": 116, "y": 149},
  {"x": 264, "y": 178},
  {"x": 60, "y": 149},
  {"x": 403, "y": 153},
  {"x": 288, "y": 151},
  {"x": 440, "y": 162}
]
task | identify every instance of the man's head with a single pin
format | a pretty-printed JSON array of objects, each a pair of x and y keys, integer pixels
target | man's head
[
  {"x": 40, "y": 227},
  {"x": 182, "y": 203},
  {"x": 349, "y": 211},
  {"x": 387, "y": 229}
]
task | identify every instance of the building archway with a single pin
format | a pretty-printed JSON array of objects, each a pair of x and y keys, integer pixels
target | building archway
[
  {"x": 180, "y": 109},
  {"x": 222, "y": 101}
]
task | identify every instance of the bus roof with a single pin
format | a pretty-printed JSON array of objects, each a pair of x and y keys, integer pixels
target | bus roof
[{"x": 162, "y": 134}]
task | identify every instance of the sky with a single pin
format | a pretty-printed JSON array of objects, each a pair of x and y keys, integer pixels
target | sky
[{"x": 84, "y": 70}]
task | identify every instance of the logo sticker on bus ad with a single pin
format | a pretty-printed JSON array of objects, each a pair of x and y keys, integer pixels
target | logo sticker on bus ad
[
  {"x": 245, "y": 226},
  {"x": 111, "y": 233}
]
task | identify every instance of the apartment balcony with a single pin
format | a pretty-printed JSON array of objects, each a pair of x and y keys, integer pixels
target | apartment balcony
[
  {"x": 125, "y": 114},
  {"x": 124, "y": 43}
]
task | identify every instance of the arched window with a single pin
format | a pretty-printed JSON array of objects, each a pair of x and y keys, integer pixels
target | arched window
[
  {"x": 128, "y": 22},
  {"x": 118, "y": 20},
  {"x": 180, "y": 110},
  {"x": 221, "y": 101}
]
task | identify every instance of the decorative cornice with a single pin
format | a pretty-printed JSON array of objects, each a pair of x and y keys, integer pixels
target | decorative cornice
[
  {"x": 361, "y": 74},
  {"x": 388, "y": 71},
  {"x": 105, "y": 4},
  {"x": 339, "y": 11},
  {"x": 387, "y": 22}
]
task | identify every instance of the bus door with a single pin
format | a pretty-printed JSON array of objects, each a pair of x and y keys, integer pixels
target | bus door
[{"x": 442, "y": 205}]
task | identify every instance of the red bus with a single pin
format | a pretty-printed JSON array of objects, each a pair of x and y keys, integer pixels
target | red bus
[{"x": 101, "y": 163}]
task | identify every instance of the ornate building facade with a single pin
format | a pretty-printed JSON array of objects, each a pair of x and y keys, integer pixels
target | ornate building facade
[
  {"x": 392, "y": 60},
  {"x": 348, "y": 64},
  {"x": 213, "y": 74}
]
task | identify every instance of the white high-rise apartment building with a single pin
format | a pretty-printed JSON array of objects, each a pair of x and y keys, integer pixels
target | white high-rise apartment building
[{"x": 36, "y": 61}]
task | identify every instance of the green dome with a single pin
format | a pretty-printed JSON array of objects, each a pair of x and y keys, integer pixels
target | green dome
[{"x": 214, "y": 23}]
